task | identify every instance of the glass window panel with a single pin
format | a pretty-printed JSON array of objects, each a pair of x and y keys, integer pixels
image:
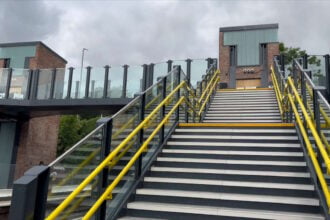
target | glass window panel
[
  {"x": 61, "y": 83},
  {"x": 18, "y": 83},
  {"x": 78, "y": 83},
  {"x": 198, "y": 68},
  {"x": 181, "y": 63},
  {"x": 160, "y": 69},
  {"x": 96, "y": 84},
  {"x": 134, "y": 80},
  {"x": 115, "y": 85},
  {"x": 3, "y": 82},
  {"x": 44, "y": 83}
]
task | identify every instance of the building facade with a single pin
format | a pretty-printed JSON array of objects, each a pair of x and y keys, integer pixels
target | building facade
[
  {"x": 28, "y": 141},
  {"x": 246, "y": 53}
]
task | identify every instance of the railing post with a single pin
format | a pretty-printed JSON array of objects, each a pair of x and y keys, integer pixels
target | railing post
[
  {"x": 316, "y": 106},
  {"x": 189, "y": 71},
  {"x": 327, "y": 74},
  {"x": 209, "y": 60},
  {"x": 305, "y": 61},
  {"x": 304, "y": 97},
  {"x": 8, "y": 84},
  {"x": 144, "y": 77},
  {"x": 68, "y": 95},
  {"x": 88, "y": 78},
  {"x": 178, "y": 74},
  {"x": 162, "y": 111},
  {"x": 124, "y": 81},
  {"x": 30, "y": 194},
  {"x": 169, "y": 65},
  {"x": 151, "y": 75},
  {"x": 52, "y": 84},
  {"x": 106, "y": 81},
  {"x": 29, "y": 85},
  {"x": 138, "y": 163},
  {"x": 35, "y": 82},
  {"x": 105, "y": 151},
  {"x": 282, "y": 64},
  {"x": 294, "y": 72}
]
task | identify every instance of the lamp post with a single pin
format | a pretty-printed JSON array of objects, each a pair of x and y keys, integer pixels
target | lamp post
[{"x": 82, "y": 66}]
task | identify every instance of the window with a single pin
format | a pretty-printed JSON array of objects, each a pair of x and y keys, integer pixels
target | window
[
  {"x": 27, "y": 62},
  {"x": 263, "y": 54},
  {"x": 232, "y": 58},
  {"x": 6, "y": 63}
]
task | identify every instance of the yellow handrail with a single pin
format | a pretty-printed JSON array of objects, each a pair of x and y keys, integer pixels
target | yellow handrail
[
  {"x": 277, "y": 92},
  {"x": 108, "y": 191},
  {"x": 311, "y": 152},
  {"x": 310, "y": 125},
  {"x": 291, "y": 99},
  {"x": 145, "y": 123},
  {"x": 106, "y": 161},
  {"x": 208, "y": 85},
  {"x": 208, "y": 95}
]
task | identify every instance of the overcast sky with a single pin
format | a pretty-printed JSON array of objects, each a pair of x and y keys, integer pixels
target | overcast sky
[{"x": 136, "y": 32}]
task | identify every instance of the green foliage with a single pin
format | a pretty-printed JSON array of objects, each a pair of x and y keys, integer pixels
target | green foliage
[
  {"x": 72, "y": 129},
  {"x": 292, "y": 53}
]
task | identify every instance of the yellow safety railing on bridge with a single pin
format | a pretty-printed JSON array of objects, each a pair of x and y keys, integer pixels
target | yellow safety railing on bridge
[
  {"x": 291, "y": 99},
  {"x": 196, "y": 105}
]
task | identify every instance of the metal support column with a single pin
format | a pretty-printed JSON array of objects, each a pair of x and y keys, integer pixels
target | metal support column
[
  {"x": 52, "y": 84},
  {"x": 162, "y": 112},
  {"x": 29, "y": 85},
  {"x": 30, "y": 194},
  {"x": 169, "y": 65},
  {"x": 327, "y": 75},
  {"x": 282, "y": 65},
  {"x": 124, "y": 81},
  {"x": 8, "y": 84},
  {"x": 178, "y": 74},
  {"x": 35, "y": 82},
  {"x": 144, "y": 77},
  {"x": 68, "y": 95},
  {"x": 88, "y": 78},
  {"x": 189, "y": 70},
  {"x": 106, "y": 81},
  {"x": 138, "y": 163},
  {"x": 105, "y": 151}
]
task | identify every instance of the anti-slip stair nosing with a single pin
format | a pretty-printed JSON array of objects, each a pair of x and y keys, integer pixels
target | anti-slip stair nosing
[{"x": 207, "y": 212}]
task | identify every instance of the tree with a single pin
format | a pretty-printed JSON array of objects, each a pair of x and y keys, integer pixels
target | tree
[
  {"x": 72, "y": 129},
  {"x": 291, "y": 53}
]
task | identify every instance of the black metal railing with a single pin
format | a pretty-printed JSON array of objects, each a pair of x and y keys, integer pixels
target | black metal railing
[
  {"x": 91, "y": 82},
  {"x": 63, "y": 175}
]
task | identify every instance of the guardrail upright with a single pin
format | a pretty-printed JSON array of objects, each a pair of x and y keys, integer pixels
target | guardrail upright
[
  {"x": 105, "y": 151},
  {"x": 327, "y": 74},
  {"x": 68, "y": 95},
  {"x": 106, "y": 81},
  {"x": 138, "y": 163},
  {"x": 177, "y": 76},
  {"x": 52, "y": 84}
]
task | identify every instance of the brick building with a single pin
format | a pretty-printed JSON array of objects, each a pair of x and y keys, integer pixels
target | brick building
[
  {"x": 37, "y": 139},
  {"x": 246, "y": 53}
]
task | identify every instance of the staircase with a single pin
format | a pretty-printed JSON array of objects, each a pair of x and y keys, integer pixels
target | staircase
[
  {"x": 244, "y": 106},
  {"x": 230, "y": 171}
]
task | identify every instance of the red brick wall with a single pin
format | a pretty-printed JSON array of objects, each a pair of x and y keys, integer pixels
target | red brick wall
[
  {"x": 223, "y": 60},
  {"x": 38, "y": 139},
  {"x": 273, "y": 49},
  {"x": 2, "y": 63}
]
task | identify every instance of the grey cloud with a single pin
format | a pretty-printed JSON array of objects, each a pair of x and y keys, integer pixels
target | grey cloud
[
  {"x": 27, "y": 20},
  {"x": 136, "y": 32}
]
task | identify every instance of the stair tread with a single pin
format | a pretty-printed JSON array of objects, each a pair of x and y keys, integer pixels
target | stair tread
[
  {"x": 230, "y": 196},
  {"x": 252, "y": 184},
  {"x": 222, "y": 211}
]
